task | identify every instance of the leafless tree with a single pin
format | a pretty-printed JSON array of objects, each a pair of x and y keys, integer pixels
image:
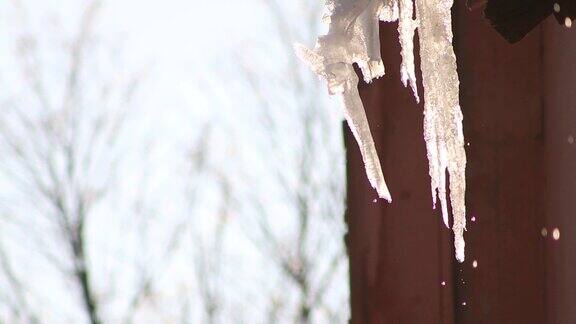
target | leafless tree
[
  {"x": 50, "y": 165},
  {"x": 64, "y": 139},
  {"x": 208, "y": 261},
  {"x": 309, "y": 178},
  {"x": 63, "y": 155}
]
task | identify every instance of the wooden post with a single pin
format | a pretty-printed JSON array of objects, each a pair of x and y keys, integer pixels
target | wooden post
[
  {"x": 399, "y": 253},
  {"x": 501, "y": 97},
  {"x": 559, "y": 200},
  {"x": 519, "y": 104}
]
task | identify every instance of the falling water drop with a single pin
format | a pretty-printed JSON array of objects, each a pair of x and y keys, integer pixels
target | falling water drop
[{"x": 556, "y": 234}]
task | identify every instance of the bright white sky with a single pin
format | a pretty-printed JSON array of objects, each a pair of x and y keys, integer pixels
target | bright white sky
[{"x": 190, "y": 48}]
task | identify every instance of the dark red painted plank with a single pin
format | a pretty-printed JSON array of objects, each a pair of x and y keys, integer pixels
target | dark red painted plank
[
  {"x": 559, "y": 49},
  {"x": 501, "y": 98},
  {"x": 399, "y": 253},
  {"x": 519, "y": 105}
]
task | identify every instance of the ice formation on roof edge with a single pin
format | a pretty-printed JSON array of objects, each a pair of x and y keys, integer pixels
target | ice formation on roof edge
[{"x": 353, "y": 37}]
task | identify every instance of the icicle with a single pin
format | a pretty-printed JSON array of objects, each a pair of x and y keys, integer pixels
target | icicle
[
  {"x": 356, "y": 118},
  {"x": 389, "y": 11},
  {"x": 353, "y": 37},
  {"x": 442, "y": 115},
  {"x": 406, "y": 27}
]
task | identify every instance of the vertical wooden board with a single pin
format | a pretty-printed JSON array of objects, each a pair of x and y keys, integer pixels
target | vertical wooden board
[
  {"x": 560, "y": 153},
  {"x": 362, "y": 239},
  {"x": 501, "y": 97},
  {"x": 400, "y": 253},
  {"x": 396, "y": 258}
]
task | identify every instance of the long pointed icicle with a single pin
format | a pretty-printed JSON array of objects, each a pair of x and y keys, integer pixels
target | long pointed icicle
[
  {"x": 356, "y": 118},
  {"x": 442, "y": 115},
  {"x": 353, "y": 38}
]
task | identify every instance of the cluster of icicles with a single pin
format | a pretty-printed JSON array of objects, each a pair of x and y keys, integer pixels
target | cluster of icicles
[{"x": 353, "y": 38}]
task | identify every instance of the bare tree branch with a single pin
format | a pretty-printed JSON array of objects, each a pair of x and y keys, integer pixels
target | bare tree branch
[{"x": 22, "y": 310}]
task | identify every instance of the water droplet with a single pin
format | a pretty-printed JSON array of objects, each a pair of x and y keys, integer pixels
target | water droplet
[
  {"x": 568, "y": 22},
  {"x": 544, "y": 232},
  {"x": 475, "y": 264},
  {"x": 375, "y": 200},
  {"x": 570, "y": 139},
  {"x": 443, "y": 283},
  {"x": 468, "y": 144},
  {"x": 556, "y": 7},
  {"x": 463, "y": 303},
  {"x": 473, "y": 219},
  {"x": 556, "y": 234}
]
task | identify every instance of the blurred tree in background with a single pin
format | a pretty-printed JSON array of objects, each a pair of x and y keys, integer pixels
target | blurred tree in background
[{"x": 131, "y": 192}]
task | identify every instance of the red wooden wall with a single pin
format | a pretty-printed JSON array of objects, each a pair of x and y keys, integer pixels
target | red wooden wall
[{"x": 519, "y": 105}]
